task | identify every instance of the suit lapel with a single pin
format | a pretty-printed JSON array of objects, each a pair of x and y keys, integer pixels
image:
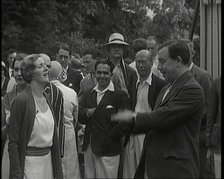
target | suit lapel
[
  {"x": 105, "y": 99},
  {"x": 179, "y": 83},
  {"x": 151, "y": 91},
  {"x": 93, "y": 98},
  {"x": 160, "y": 96},
  {"x": 124, "y": 70}
]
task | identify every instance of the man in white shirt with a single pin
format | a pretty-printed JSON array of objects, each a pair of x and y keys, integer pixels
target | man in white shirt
[{"x": 148, "y": 87}]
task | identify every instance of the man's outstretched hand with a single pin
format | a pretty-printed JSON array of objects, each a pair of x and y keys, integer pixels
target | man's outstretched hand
[{"x": 125, "y": 116}]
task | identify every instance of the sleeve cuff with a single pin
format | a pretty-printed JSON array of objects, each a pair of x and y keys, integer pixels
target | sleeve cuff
[{"x": 87, "y": 114}]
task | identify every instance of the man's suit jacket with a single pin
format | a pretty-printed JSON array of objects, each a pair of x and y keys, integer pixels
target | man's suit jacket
[
  {"x": 87, "y": 83},
  {"x": 213, "y": 125},
  {"x": 130, "y": 78},
  {"x": 205, "y": 80},
  {"x": 73, "y": 79},
  {"x": 170, "y": 147},
  {"x": 105, "y": 135}
]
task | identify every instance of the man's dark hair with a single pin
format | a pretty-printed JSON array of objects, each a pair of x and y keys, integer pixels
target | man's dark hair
[
  {"x": 18, "y": 57},
  {"x": 64, "y": 46},
  {"x": 11, "y": 50},
  {"x": 152, "y": 37},
  {"x": 139, "y": 44},
  {"x": 177, "y": 48},
  {"x": 92, "y": 51},
  {"x": 107, "y": 62}
]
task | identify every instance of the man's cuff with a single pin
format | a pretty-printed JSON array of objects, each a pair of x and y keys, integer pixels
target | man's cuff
[
  {"x": 134, "y": 120},
  {"x": 87, "y": 114}
]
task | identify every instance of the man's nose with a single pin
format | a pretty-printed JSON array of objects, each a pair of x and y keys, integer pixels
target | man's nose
[{"x": 19, "y": 72}]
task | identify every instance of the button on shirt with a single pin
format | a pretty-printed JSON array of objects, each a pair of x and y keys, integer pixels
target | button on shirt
[{"x": 100, "y": 94}]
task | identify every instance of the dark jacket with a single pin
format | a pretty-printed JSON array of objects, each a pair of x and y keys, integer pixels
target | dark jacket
[
  {"x": 171, "y": 144},
  {"x": 22, "y": 116},
  {"x": 130, "y": 78},
  {"x": 213, "y": 125},
  {"x": 105, "y": 135},
  {"x": 56, "y": 100},
  {"x": 73, "y": 79}
]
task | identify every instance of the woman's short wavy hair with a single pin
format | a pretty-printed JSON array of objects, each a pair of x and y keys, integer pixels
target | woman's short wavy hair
[{"x": 28, "y": 66}]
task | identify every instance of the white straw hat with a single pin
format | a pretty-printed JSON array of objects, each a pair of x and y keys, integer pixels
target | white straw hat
[{"x": 116, "y": 38}]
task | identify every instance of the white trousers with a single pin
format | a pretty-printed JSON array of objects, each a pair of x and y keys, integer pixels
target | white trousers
[
  {"x": 100, "y": 167},
  {"x": 132, "y": 155},
  {"x": 217, "y": 162}
]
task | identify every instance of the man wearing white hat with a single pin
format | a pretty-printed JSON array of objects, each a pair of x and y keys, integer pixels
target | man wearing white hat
[{"x": 124, "y": 76}]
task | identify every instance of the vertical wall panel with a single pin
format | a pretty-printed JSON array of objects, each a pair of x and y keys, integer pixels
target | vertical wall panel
[
  {"x": 215, "y": 51},
  {"x": 219, "y": 38},
  {"x": 210, "y": 30}
]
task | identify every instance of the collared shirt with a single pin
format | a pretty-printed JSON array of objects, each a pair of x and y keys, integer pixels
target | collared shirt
[
  {"x": 100, "y": 94},
  {"x": 142, "y": 104},
  {"x": 190, "y": 66},
  {"x": 167, "y": 91},
  {"x": 10, "y": 72}
]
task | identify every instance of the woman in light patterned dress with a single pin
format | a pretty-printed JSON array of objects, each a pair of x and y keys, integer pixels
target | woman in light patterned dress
[{"x": 33, "y": 139}]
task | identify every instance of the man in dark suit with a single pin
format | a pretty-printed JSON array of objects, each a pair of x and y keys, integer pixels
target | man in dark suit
[
  {"x": 148, "y": 88},
  {"x": 124, "y": 77},
  {"x": 171, "y": 144},
  {"x": 102, "y": 139},
  {"x": 71, "y": 78},
  {"x": 213, "y": 126},
  {"x": 205, "y": 80}
]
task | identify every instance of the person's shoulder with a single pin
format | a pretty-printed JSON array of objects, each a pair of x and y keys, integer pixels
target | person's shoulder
[
  {"x": 131, "y": 71},
  {"x": 192, "y": 83},
  {"x": 119, "y": 91},
  {"x": 88, "y": 92},
  {"x": 23, "y": 96},
  {"x": 129, "y": 68},
  {"x": 200, "y": 70},
  {"x": 72, "y": 71},
  {"x": 86, "y": 78},
  {"x": 159, "y": 80},
  {"x": 69, "y": 90}
]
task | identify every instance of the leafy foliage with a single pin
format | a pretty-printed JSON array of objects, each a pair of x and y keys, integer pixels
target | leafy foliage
[{"x": 34, "y": 26}]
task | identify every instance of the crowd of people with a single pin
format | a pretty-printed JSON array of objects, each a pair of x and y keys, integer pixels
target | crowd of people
[{"x": 93, "y": 116}]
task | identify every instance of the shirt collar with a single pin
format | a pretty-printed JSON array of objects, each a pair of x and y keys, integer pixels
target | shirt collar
[
  {"x": 190, "y": 66},
  {"x": 110, "y": 87},
  {"x": 55, "y": 81},
  {"x": 148, "y": 80}
]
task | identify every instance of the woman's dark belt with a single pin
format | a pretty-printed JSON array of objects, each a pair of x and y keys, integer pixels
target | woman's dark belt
[{"x": 37, "y": 151}]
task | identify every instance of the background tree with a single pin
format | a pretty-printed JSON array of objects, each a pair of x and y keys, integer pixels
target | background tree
[{"x": 35, "y": 26}]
